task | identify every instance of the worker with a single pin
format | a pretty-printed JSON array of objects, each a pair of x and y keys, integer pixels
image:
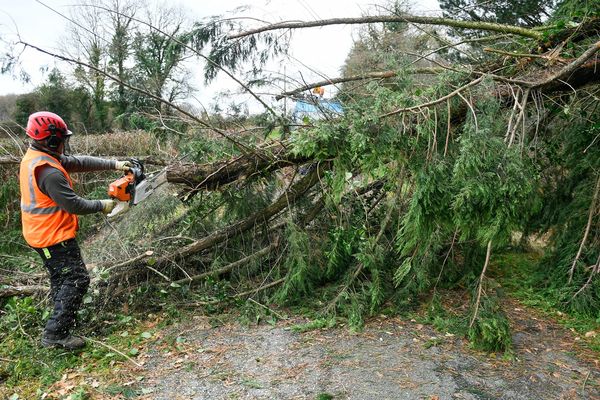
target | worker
[
  {"x": 49, "y": 209},
  {"x": 319, "y": 90}
]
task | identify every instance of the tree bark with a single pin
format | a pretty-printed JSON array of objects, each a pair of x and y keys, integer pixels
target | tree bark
[{"x": 214, "y": 175}]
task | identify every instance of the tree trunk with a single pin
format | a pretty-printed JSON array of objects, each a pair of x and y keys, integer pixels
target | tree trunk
[{"x": 214, "y": 175}]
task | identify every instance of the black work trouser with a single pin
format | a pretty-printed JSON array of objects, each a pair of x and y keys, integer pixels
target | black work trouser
[{"x": 69, "y": 281}]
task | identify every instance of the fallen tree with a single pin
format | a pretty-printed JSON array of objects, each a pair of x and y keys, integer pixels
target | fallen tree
[{"x": 504, "y": 143}]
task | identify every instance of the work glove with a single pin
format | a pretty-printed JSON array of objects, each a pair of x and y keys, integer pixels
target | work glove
[
  {"x": 123, "y": 166},
  {"x": 108, "y": 205}
]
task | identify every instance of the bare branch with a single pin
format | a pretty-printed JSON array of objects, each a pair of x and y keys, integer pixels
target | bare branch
[
  {"x": 568, "y": 69},
  {"x": 587, "y": 229},
  {"x": 480, "y": 287},
  {"x": 478, "y": 25},
  {"x": 9, "y": 160},
  {"x": 370, "y": 75},
  {"x": 434, "y": 102},
  {"x": 150, "y": 160},
  {"x": 30, "y": 290},
  {"x": 595, "y": 270}
]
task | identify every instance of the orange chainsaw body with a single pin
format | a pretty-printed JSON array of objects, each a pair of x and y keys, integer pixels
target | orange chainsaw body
[{"x": 121, "y": 189}]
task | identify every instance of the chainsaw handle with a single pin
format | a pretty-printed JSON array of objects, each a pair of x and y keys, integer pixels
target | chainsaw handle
[{"x": 123, "y": 189}]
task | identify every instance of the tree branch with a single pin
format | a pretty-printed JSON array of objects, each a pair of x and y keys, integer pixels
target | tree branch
[
  {"x": 478, "y": 25},
  {"x": 213, "y": 175},
  {"x": 230, "y": 267},
  {"x": 390, "y": 74},
  {"x": 150, "y": 160},
  {"x": 521, "y": 55},
  {"x": 9, "y": 160},
  {"x": 480, "y": 287},
  {"x": 264, "y": 215},
  {"x": 434, "y": 102},
  {"x": 370, "y": 75},
  {"x": 587, "y": 229},
  {"x": 569, "y": 68},
  {"x": 595, "y": 269}
]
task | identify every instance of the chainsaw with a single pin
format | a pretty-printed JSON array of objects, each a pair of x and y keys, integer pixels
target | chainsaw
[{"x": 134, "y": 187}]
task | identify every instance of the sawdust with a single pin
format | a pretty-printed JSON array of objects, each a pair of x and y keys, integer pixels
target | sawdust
[{"x": 138, "y": 230}]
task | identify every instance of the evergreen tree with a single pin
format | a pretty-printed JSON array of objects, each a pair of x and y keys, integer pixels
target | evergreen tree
[
  {"x": 528, "y": 13},
  {"x": 158, "y": 56},
  {"x": 120, "y": 49},
  {"x": 54, "y": 95}
]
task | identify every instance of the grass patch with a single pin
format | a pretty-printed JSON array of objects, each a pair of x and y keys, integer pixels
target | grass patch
[
  {"x": 29, "y": 370},
  {"x": 518, "y": 274},
  {"x": 324, "y": 396}
]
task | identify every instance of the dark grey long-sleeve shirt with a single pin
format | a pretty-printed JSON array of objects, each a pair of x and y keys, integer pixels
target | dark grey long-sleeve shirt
[{"x": 53, "y": 183}]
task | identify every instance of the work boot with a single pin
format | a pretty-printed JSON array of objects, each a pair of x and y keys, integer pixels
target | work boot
[{"x": 70, "y": 342}]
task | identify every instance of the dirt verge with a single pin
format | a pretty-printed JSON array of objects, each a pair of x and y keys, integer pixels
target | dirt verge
[{"x": 390, "y": 359}]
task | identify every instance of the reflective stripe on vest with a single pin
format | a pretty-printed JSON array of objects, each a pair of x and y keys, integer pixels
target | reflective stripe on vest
[{"x": 32, "y": 207}]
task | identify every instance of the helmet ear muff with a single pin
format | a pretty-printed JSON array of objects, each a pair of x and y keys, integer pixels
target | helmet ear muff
[{"x": 54, "y": 141}]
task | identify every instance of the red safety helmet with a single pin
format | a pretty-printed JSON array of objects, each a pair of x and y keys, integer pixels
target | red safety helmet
[{"x": 44, "y": 124}]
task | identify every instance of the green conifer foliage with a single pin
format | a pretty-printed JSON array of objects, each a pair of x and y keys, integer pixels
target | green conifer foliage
[{"x": 301, "y": 272}]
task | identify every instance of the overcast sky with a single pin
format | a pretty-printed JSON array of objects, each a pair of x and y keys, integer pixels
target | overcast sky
[{"x": 322, "y": 50}]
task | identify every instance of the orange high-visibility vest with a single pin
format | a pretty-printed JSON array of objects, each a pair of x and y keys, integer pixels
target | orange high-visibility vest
[{"x": 44, "y": 222}]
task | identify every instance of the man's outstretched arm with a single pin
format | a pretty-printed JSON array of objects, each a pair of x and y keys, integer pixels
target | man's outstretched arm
[
  {"x": 54, "y": 184},
  {"x": 87, "y": 163}
]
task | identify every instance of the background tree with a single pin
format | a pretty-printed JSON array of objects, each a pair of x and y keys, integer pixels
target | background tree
[
  {"x": 25, "y": 105},
  {"x": 388, "y": 47},
  {"x": 87, "y": 39},
  {"x": 55, "y": 95},
  {"x": 120, "y": 49},
  {"x": 159, "y": 55}
]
